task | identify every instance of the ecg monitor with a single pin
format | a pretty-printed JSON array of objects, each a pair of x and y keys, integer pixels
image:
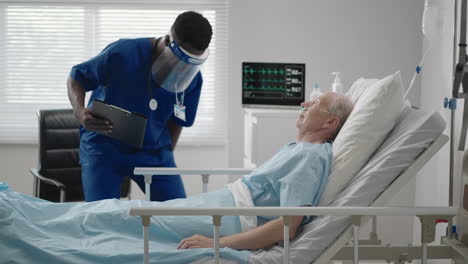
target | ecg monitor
[{"x": 273, "y": 85}]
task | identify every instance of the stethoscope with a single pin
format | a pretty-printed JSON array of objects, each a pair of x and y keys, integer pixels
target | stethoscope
[{"x": 153, "y": 104}]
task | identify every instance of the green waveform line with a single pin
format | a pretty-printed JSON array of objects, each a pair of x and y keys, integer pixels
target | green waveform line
[
  {"x": 266, "y": 88},
  {"x": 264, "y": 71},
  {"x": 251, "y": 71},
  {"x": 264, "y": 80}
]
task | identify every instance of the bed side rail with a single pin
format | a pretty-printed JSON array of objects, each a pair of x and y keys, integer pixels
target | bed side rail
[
  {"x": 148, "y": 172},
  {"x": 427, "y": 215}
]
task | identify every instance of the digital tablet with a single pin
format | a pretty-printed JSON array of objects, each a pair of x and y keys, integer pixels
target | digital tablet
[{"x": 127, "y": 126}]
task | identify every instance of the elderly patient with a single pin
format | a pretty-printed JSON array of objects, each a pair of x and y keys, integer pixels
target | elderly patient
[
  {"x": 38, "y": 231},
  {"x": 295, "y": 176}
]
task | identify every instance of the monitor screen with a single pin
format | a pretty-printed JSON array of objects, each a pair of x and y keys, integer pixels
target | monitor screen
[{"x": 273, "y": 84}]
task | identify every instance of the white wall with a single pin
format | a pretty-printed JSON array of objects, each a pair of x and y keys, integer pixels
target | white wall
[
  {"x": 360, "y": 38},
  {"x": 15, "y": 160}
]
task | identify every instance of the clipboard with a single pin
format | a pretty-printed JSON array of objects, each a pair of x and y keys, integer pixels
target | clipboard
[{"x": 128, "y": 127}]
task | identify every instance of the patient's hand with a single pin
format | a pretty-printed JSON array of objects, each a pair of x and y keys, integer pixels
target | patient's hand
[{"x": 196, "y": 241}]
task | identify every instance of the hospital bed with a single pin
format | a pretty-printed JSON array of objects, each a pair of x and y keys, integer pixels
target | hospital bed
[
  {"x": 411, "y": 144},
  {"x": 35, "y": 230}
]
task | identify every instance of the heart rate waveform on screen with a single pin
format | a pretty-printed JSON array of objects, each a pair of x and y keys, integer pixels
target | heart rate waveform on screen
[{"x": 273, "y": 83}]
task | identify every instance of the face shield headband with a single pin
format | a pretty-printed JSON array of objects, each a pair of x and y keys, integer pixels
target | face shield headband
[{"x": 175, "y": 67}]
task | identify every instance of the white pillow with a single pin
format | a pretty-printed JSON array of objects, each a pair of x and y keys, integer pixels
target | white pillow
[
  {"x": 358, "y": 88},
  {"x": 374, "y": 115}
]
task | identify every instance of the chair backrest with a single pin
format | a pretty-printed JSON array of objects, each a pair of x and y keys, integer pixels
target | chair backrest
[{"x": 59, "y": 143}]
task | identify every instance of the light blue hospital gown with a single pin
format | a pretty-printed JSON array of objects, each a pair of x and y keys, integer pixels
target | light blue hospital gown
[
  {"x": 295, "y": 176},
  {"x": 38, "y": 231}
]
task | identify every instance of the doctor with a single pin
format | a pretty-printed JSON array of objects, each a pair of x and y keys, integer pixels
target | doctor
[{"x": 159, "y": 78}]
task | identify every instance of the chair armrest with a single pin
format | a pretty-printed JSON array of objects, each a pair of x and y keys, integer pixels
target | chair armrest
[{"x": 36, "y": 174}]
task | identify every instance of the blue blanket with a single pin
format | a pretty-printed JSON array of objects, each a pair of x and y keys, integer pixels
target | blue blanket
[{"x": 37, "y": 231}]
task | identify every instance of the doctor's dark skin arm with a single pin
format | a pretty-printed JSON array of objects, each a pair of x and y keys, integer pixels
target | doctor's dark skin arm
[
  {"x": 76, "y": 95},
  {"x": 174, "y": 131}
]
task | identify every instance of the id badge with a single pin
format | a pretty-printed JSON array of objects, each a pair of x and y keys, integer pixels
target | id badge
[{"x": 179, "y": 112}]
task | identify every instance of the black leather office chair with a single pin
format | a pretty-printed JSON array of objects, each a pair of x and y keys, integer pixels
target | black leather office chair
[{"x": 58, "y": 178}]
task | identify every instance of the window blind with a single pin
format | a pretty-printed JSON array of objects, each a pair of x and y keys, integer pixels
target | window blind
[{"x": 40, "y": 41}]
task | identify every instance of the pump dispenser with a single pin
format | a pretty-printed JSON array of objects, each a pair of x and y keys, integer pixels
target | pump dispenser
[
  {"x": 316, "y": 92},
  {"x": 337, "y": 86}
]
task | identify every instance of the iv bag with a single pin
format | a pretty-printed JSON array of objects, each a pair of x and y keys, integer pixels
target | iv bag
[
  {"x": 432, "y": 24},
  {"x": 433, "y": 18}
]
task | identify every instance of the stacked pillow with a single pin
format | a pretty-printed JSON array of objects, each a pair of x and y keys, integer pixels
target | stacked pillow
[
  {"x": 378, "y": 104},
  {"x": 358, "y": 88}
]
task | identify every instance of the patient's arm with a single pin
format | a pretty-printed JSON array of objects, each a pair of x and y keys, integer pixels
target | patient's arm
[{"x": 260, "y": 237}]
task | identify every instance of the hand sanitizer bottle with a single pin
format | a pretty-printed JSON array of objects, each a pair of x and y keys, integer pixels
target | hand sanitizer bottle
[
  {"x": 337, "y": 86},
  {"x": 316, "y": 92}
]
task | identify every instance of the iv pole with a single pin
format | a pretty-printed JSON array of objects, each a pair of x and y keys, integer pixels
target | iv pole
[
  {"x": 460, "y": 78},
  {"x": 461, "y": 68}
]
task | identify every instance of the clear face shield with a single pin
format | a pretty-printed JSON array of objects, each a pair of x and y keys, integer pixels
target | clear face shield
[{"x": 175, "y": 67}]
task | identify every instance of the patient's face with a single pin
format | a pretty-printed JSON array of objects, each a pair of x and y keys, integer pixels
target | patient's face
[{"x": 314, "y": 114}]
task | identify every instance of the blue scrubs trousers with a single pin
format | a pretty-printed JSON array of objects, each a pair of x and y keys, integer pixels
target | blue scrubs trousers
[{"x": 102, "y": 180}]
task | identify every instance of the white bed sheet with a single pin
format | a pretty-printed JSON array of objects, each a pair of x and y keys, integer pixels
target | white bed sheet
[{"x": 413, "y": 133}]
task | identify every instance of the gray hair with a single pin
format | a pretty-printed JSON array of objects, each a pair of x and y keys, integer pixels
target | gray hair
[{"x": 341, "y": 106}]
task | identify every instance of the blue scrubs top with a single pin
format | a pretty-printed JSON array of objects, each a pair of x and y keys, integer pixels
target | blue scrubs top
[
  {"x": 295, "y": 176},
  {"x": 119, "y": 76}
]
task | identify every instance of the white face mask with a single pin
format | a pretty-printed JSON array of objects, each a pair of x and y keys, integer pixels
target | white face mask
[{"x": 175, "y": 67}]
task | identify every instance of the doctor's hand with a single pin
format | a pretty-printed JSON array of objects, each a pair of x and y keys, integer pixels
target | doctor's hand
[
  {"x": 92, "y": 123},
  {"x": 196, "y": 241}
]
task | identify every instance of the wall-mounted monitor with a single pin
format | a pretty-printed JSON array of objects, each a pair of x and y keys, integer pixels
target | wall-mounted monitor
[{"x": 273, "y": 84}]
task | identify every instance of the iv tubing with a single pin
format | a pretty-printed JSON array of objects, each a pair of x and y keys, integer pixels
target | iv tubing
[{"x": 416, "y": 72}]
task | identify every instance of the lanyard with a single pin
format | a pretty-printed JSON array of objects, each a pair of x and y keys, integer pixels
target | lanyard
[{"x": 181, "y": 103}]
